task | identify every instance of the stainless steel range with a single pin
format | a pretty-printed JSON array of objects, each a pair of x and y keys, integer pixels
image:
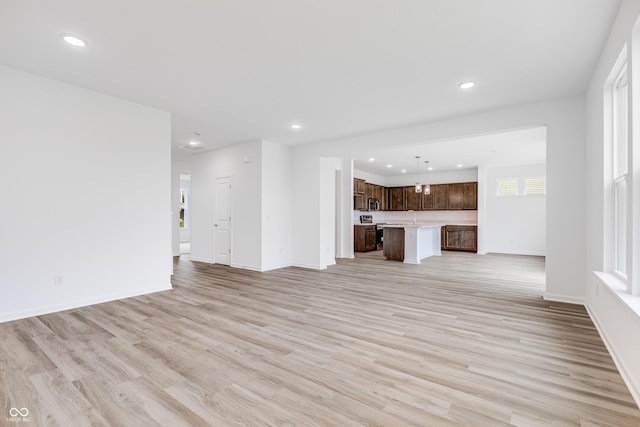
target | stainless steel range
[{"x": 366, "y": 219}]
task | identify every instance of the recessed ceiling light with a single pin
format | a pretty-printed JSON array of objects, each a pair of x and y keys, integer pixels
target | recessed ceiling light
[
  {"x": 430, "y": 168},
  {"x": 194, "y": 142},
  {"x": 74, "y": 40},
  {"x": 403, "y": 171},
  {"x": 371, "y": 159},
  {"x": 389, "y": 166},
  {"x": 466, "y": 85},
  {"x": 459, "y": 166},
  {"x": 295, "y": 126}
]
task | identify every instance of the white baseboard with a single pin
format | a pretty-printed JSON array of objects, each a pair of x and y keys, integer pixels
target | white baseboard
[
  {"x": 7, "y": 317},
  {"x": 247, "y": 267},
  {"x": 275, "y": 267},
  {"x": 207, "y": 260},
  {"x": 310, "y": 267},
  {"x": 345, "y": 255},
  {"x": 525, "y": 253},
  {"x": 634, "y": 389},
  {"x": 563, "y": 298}
]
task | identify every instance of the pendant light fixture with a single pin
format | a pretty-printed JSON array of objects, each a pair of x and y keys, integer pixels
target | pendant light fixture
[
  {"x": 418, "y": 186},
  {"x": 427, "y": 187}
]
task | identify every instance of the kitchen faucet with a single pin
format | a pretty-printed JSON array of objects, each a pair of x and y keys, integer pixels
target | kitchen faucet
[{"x": 414, "y": 216}]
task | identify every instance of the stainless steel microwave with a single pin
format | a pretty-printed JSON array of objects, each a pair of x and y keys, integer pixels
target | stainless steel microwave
[{"x": 373, "y": 204}]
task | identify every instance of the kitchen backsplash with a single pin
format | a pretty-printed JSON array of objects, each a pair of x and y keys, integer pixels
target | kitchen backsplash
[{"x": 382, "y": 216}]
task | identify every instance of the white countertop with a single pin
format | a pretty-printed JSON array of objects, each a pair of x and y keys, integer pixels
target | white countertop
[
  {"x": 430, "y": 224},
  {"x": 401, "y": 224}
]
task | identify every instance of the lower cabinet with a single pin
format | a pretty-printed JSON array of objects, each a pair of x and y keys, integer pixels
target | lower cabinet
[
  {"x": 364, "y": 238},
  {"x": 460, "y": 238},
  {"x": 393, "y": 248}
]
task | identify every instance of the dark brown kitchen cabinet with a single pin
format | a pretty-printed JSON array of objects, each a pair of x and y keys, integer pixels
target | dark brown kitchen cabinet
[
  {"x": 393, "y": 248},
  {"x": 463, "y": 195},
  {"x": 384, "y": 199},
  {"x": 458, "y": 196},
  {"x": 364, "y": 238},
  {"x": 438, "y": 199},
  {"x": 413, "y": 199},
  {"x": 378, "y": 192},
  {"x": 470, "y": 196},
  {"x": 370, "y": 192},
  {"x": 359, "y": 196},
  {"x": 460, "y": 238},
  {"x": 396, "y": 199}
]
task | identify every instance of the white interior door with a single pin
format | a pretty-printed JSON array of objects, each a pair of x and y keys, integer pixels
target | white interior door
[{"x": 222, "y": 221}]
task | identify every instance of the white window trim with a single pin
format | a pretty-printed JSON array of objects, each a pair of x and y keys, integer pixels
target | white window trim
[{"x": 622, "y": 275}]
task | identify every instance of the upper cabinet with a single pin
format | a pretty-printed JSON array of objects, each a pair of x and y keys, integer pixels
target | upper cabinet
[
  {"x": 397, "y": 199},
  {"x": 370, "y": 192},
  {"x": 438, "y": 199},
  {"x": 381, "y": 195},
  {"x": 359, "y": 198},
  {"x": 363, "y": 191},
  {"x": 463, "y": 195},
  {"x": 413, "y": 199},
  {"x": 458, "y": 196}
]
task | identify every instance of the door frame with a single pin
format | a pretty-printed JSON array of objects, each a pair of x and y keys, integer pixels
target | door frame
[{"x": 215, "y": 190}]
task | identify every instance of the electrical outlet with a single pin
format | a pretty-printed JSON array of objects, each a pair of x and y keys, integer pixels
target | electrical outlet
[{"x": 58, "y": 280}]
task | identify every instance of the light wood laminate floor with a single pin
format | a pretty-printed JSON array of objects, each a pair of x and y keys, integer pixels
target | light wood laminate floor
[{"x": 460, "y": 339}]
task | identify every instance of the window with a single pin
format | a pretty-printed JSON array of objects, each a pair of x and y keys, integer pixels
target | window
[
  {"x": 620, "y": 172},
  {"x": 534, "y": 186},
  {"x": 507, "y": 187}
]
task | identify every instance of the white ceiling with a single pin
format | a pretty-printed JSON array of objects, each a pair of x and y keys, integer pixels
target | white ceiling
[
  {"x": 527, "y": 146},
  {"x": 239, "y": 70}
]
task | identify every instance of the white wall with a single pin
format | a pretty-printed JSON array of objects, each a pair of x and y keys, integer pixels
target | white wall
[
  {"x": 86, "y": 184},
  {"x": 448, "y": 177},
  {"x": 243, "y": 163},
  {"x": 564, "y": 119},
  {"x": 464, "y": 175},
  {"x": 305, "y": 242},
  {"x": 345, "y": 233},
  {"x": 328, "y": 167},
  {"x": 515, "y": 224},
  {"x": 619, "y": 325},
  {"x": 277, "y": 192},
  {"x": 370, "y": 177}
]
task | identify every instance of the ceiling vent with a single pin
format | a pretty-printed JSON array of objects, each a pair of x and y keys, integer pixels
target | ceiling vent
[{"x": 191, "y": 147}]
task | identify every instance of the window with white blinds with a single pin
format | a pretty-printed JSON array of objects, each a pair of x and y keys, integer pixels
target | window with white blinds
[
  {"x": 534, "y": 186},
  {"x": 507, "y": 187}
]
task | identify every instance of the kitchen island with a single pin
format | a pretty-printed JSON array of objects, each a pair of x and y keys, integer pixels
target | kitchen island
[{"x": 411, "y": 243}]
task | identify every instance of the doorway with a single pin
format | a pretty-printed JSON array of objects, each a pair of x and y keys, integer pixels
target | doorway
[{"x": 185, "y": 214}]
